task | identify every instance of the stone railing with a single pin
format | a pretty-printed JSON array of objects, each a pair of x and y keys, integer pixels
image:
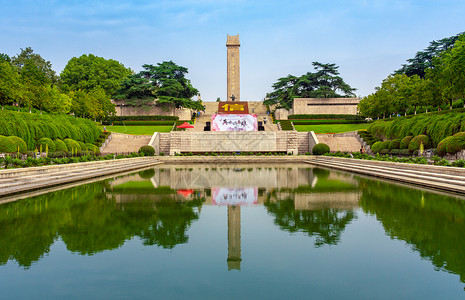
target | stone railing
[{"x": 105, "y": 143}]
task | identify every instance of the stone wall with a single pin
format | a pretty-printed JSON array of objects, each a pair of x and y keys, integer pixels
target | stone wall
[
  {"x": 320, "y": 106},
  {"x": 257, "y": 141},
  {"x": 150, "y": 110}
]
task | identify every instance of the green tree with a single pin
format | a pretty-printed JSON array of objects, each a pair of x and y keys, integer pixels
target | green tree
[
  {"x": 325, "y": 82},
  {"x": 44, "y": 67},
  {"x": 171, "y": 87},
  {"x": 88, "y": 72},
  {"x": 423, "y": 60},
  {"x": 10, "y": 85},
  {"x": 34, "y": 83},
  {"x": 136, "y": 90}
]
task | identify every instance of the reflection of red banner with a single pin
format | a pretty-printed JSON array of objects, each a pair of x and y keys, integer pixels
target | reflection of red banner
[
  {"x": 234, "y": 196},
  {"x": 234, "y": 122},
  {"x": 185, "y": 193}
]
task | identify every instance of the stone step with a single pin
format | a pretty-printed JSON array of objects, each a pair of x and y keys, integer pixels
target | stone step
[
  {"x": 337, "y": 143},
  {"x": 122, "y": 143},
  {"x": 401, "y": 173}
]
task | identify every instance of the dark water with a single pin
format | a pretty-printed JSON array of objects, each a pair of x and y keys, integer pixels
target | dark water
[{"x": 234, "y": 232}]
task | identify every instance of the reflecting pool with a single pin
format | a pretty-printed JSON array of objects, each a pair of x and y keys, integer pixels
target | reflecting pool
[{"x": 234, "y": 232}]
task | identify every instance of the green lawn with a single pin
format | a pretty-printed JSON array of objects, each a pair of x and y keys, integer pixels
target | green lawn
[
  {"x": 331, "y": 128},
  {"x": 138, "y": 130}
]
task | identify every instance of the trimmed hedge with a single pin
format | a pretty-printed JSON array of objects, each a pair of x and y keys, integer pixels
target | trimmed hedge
[
  {"x": 19, "y": 142},
  {"x": 286, "y": 125},
  {"x": 44, "y": 142},
  {"x": 331, "y": 121},
  {"x": 60, "y": 146},
  {"x": 456, "y": 144},
  {"x": 394, "y": 144},
  {"x": 31, "y": 127},
  {"x": 416, "y": 142},
  {"x": 146, "y": 123},
  {"x": 324, "y": 117},
  {"x": 405, "y": 142},
  {"x": 147, "y": 150},
  {"x": 437, "y": 126},
  {"x": 442, "y": 147},
  {"x": 6, "y": 145},
  {"x": 320, "y": 149},
  {"x": 92, "y": 148},
  {"x": 143, "y": 118},
  {"x": 385, "y": 145},
  {"x": 376, "y": 147}
]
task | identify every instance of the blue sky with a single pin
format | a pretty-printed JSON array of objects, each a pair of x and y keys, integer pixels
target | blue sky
[{"x": 367, "y": 39}]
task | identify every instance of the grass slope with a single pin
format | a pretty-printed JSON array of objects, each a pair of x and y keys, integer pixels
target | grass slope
[{"x": 331, "y": 128}]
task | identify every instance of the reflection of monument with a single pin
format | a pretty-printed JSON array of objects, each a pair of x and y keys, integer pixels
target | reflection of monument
[
  {"x": 234, "y": 238},
  {"x": 234, "y": 90}
]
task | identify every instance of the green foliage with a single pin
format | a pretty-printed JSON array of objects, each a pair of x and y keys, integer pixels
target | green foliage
[
  {"x": 286, "y": 125},
  {"x": 324, "y": 83},
  {"x": 147, "y": 174},
  {"x": 6, "y": 145},
  {"x": 32, "y": 127},
  {"x": 417, "y": 141},
  {"x": 442, "y": 146},
  {"x": 437, "y": 126},
  {"x": 320, "y": 149},
  {"x": 44, "y": 142},
  {"x": 376, "y": 147},
  {"x": 405, "y": 142},
  {"x": 329, "y": 121},
  {"x": 385, "y": 145},
  {"x": 325, "y": 117},
  {"x": 394, "y": 144},
  {"x": 93, "y": 148},
  {"x": 142, "y": 118},
  {"x": 147, "y": 150},
  {"x": 145, "y": 123},
  {"x": 19, "y": 142},
  {"x": 72, "y": 145},
  {"x": 166, "y": 82},
  {"x": 89, "y": 72},
  {"x": 456, "y": 144},
  {"x": 60, "y": 146}
]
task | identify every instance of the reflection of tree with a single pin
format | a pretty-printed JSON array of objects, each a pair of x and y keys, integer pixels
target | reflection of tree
[
  {"x": 433, "y": 224},
  {"x": 88, "y": 222},
  {"x": 325, "y": 224},
  {"x": 29, "y": 227}
]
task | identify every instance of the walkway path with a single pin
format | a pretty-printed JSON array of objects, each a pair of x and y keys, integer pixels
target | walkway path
[{"x": 126, "y": 143}]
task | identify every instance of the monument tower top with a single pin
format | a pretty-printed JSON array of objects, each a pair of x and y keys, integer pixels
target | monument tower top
[{"x": 234, "y": 89}]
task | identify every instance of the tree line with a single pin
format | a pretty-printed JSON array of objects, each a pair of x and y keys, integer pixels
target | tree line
[
  {"x": 87, "y": 84},
  {"x": 435, "y": 77}
]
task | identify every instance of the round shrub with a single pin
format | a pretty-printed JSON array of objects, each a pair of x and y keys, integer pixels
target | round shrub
[
  {"x": 405, "y": 152},
  {"x": 376, "y": 147},
  {"x": 395, "y": 151},
  {"x": 72, "y": 144},
  {"x": 459, "y": 134},
  {"x": 19, "y": 142},
  {"x": 82, "y": 145},
  {"x": 147, "y": 150},
  {"x": 385, "y": 145},
  {"x": 6, "y": 145},
  {"x": 44, "y": 142},
  {"x": 394, "y": 144},
  {"x": 442, "y": 146},
  {"x": 405, "y": 142},
  {"x": 416, "y": 142},
  {"x": 320, "y": 149},
  {"x": 60, "y": 146},
  {"x": 92, "y": 148},
  {"x": 455, "y": 144}
]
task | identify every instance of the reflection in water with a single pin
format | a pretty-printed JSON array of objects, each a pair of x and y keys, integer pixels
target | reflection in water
[{"x": 159, "y": 205}]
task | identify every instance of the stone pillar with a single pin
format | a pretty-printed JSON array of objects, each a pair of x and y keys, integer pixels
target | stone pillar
[{"x": 233, "y": 72}]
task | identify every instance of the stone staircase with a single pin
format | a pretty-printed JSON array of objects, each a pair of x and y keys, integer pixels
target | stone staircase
[
  {"x": 438, "y": 177},
  {"x": 341, "y": 142},
  {"x": 125, "y": 143}
]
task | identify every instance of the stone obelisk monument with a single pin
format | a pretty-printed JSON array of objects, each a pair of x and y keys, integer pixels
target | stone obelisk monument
[{"x": 234, "y": 88}]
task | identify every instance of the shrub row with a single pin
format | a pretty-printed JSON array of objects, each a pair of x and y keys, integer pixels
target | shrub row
[
  {"x": 437, "y": 126},
  {"x": 320, "y": 117},
  {"x": 329, "y": 121},
  {"x": 31, "y": 127},
  {"x": 408, "y": 143},
  {"x": 145, "y": 123},
  {"x": 143, "y": 118},
  {"x": 286, "y": 125},
  {"x": 452, "y": 144}
]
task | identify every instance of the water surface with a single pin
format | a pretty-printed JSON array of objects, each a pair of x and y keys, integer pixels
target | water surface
[{"x": 234, "y": 232}]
